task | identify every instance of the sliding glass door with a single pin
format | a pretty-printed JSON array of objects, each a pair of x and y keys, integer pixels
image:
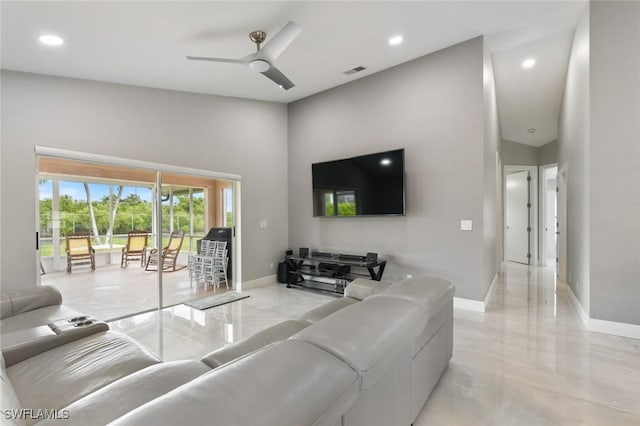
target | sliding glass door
[{"x": 141, "y": 225}]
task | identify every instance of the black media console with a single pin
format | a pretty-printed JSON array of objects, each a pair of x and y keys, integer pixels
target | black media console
[{"x": 330, "y": 271}]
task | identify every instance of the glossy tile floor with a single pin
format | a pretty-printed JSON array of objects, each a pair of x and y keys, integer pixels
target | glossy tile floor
[
  {"x": 181, "y": 332},
  {"x": 527, "y": 361},
  {"x": 113, "y": 292}
]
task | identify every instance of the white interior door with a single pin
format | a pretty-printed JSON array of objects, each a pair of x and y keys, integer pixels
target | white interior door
[
  {"x": 516, "y": 247},
  {"x": 550, "y": 219}
]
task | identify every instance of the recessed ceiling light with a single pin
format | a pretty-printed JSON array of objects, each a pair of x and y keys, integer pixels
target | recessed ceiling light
[
  {"x": 50, "y": 40},
  {"x": 385, "y": 161},
  {"x": 395, "y": 40},
  {"x": 528, "y": 63},
  {"x": 531, "y": 130}
]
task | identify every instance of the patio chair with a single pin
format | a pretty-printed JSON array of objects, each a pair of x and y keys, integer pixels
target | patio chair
[
  {"x": 136, "y": 248},
  {"x": 169, "y": 254},
  {"x": 79, "y": 251}
]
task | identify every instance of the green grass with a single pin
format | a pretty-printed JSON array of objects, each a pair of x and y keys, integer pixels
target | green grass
[{"x": 46, "y": 247}]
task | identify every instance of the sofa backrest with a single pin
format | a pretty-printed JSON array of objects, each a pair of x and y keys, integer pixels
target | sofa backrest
[
  {"x": 288, "y": 383},
  {"x": 374, "y": 337},
  {"x": 19, "y": 301}
]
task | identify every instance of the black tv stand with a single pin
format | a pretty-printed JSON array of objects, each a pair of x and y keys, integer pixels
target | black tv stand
[{"x": 331, "y": 272}]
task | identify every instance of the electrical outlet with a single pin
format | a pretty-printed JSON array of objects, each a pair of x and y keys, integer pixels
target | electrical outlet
[
  {"x": 263, "y": 224},
  {"x": 466, "y": 225},
  {"x": 409, "y": 276},
  {"x": 271, "y": 266}
]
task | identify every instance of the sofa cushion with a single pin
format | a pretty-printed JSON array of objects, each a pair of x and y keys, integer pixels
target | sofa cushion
[
  {"x": 8, "y": 397},
  {"x": 56, "y": 378},
  {"x": 269, "y": 335},
  {"x": 120, "y": 397},
  {"x": 379, "y": 325},
  {"x": 288, "y": 383},
  {"x": 20, "y": 301},
  {"x": 36, "y": 318},
  {"x": 327, "y": 309},
  {"x": 361, "y": 288}
]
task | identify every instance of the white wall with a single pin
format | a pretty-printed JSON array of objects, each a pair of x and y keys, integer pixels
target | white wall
[
  {"x": 614, "y": 200},
  {"x": 434, "y": 108},
  {"x": 573, "y": 157},
  {"x": 200, "y": 131}
]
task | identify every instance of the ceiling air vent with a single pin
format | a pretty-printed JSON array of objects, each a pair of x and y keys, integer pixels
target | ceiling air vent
[{"x": 355, "y": 70}]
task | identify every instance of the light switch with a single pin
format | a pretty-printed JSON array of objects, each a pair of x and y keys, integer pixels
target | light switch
[
  {"x": 466, "y": 225},
  {"x": 263, "y": 224}
]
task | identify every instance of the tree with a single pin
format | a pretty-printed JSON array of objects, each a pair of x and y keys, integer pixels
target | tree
[
  {"x": 92, "y": 215},
  {"x": 113, "y": 215}
]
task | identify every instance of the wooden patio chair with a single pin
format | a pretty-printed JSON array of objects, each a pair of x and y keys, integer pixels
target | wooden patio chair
[
  {"x": 136, "y": 248},
  {"x": 79, "y": 251},
  {"x": 169, "y": 254}
]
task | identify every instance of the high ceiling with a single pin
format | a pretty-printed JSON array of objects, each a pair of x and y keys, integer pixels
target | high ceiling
[{"x": 145, "y": 43}]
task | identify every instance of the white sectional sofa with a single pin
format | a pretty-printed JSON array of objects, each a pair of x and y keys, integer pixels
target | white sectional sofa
[{"x": 370, "y": 358}]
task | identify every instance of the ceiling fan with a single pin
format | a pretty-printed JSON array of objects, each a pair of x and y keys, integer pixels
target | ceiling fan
[{"x": 262, "y": 60}]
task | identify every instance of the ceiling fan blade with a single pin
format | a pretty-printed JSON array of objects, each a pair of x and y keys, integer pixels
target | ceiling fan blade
[
  {"x": 277, "y": 77},
  {"x": 205, "y": 58},
  {"x": 275, "y": 46}
]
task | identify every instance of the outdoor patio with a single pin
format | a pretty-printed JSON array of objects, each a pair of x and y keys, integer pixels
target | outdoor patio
[{"x": 113, "y": 292}]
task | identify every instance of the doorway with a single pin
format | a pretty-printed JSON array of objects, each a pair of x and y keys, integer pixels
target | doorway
[
  {"x": 548, "y": 215},
  {"x": 520, "y": 214}
]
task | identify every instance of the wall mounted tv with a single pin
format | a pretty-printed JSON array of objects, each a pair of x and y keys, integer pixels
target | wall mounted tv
[{"x": 368, "y": 185}]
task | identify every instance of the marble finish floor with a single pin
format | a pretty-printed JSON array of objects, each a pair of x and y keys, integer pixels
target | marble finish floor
[
  {"x": 526, "y": 361},
  {"x": 112, "y": 292}
]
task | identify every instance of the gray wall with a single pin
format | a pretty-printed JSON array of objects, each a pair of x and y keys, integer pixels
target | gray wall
[
  {"x": 433, "y": 107},
  {"x": 492, "y": 171},
  {"x": 615, "y": 161},
  {"x": 518, "y": 154},
  {"x": 573, "y": 166},
  {"x": 548, "y": 153},
  {"x": 199, "y": 131}
]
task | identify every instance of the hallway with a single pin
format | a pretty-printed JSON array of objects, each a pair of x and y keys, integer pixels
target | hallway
[{"x": 528, "y": 361}]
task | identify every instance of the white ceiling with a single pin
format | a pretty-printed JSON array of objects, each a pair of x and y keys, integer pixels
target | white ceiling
[{"x": 144, "y": 44}]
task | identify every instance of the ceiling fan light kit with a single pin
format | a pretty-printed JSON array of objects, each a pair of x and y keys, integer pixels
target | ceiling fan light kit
[
  {"x": 262, "y": 60},
  {"x": 259, "y": 65}
]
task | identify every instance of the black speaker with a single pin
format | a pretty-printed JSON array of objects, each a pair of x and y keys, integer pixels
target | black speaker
[
  {"x": 288, "y": 252},
  {"x": 283, "y": 273},
  {"x": 304, "y": 252},
  {"x": 372, "y": 257}
]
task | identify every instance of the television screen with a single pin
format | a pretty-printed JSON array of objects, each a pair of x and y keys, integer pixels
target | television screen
[{"x": 368, "y": 185}]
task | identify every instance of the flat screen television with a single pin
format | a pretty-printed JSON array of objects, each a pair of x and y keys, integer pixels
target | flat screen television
[{"x": 368, "y": 185}]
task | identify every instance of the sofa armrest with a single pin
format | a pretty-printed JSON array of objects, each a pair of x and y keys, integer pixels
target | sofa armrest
[{"x": 19, "y": 301}]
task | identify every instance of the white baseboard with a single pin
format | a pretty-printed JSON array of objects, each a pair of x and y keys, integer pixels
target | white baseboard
[
  {"x": 491, "y": 292},
  {"x": 258, "y": 282},
  {"x": 469, "y": 304},
  {"x": 601, "y": 326},
  {"x": 477, "y": 305},
  {"x": 616, "y": 328},
  {"x": 584, "y": 317}
]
